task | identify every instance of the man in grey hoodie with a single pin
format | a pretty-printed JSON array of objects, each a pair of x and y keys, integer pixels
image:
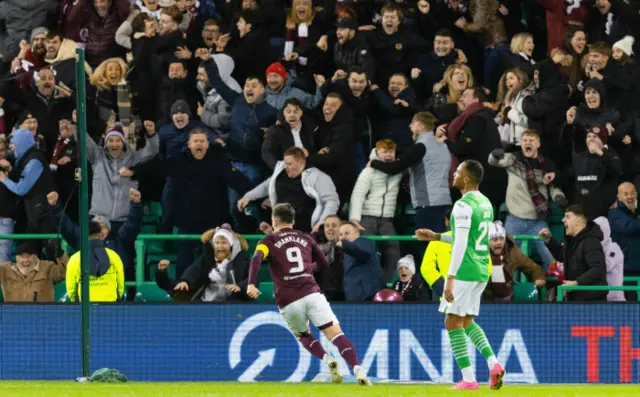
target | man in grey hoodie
[
  {"x": 111, "y": 174},
  {"x": 309, "y": 190}
]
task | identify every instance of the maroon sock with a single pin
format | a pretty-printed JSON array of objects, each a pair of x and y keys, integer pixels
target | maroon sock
[
  {"x": 312, "y": 345},
  {"x": 346, "y": 349}
]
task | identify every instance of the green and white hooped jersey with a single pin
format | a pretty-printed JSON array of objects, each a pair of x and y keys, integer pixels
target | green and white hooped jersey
[{"x": 474, "y": 212}]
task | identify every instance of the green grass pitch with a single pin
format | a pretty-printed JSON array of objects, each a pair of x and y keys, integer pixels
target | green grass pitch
[{"x": 229, "y": 389}]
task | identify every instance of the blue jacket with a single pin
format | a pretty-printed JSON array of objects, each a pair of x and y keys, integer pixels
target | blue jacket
[
  {"x": 247, "y": 120},
  {"x": 23, "y": 140},
  {"x": 362, "y": 270},
  {"x": 173, "y": 140},
  {"x": 625, "y": 230},
  {"x": 122, "y": 242}
]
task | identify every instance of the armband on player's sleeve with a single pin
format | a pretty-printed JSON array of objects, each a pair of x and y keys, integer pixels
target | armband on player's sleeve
[{"x": 264, "y": 249}]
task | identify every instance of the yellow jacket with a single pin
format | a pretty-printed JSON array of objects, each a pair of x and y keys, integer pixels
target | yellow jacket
[
  {"x": 436, "y": 261},
  {"x": 107, "y": 288}
]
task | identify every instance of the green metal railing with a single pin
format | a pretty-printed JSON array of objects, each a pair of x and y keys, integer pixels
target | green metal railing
[
  {"x": 141, "y": 244},
  {"x": 563, "y": 288}
]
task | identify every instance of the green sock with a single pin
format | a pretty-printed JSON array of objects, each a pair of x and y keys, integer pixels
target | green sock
[
  {"x": 459, "y": 347},
  {"x": 477, "y": 336}
]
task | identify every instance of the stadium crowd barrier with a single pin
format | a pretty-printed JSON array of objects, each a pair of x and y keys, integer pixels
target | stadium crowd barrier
[
  {"x": 538, "y": 344},
  {"x": 143, "y": 239}
]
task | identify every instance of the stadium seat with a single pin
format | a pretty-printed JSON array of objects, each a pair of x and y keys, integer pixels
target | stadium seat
[
  {"x": 60, "y": 292},
  {"x": 150, "y": 292},
  {"x": 266, "y": 290},
  {"x": 525, "y": 292},
  {"x": 152, "y": 212}
]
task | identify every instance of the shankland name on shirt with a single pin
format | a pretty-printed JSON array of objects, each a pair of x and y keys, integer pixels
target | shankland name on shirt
[
  {"x": 291, "y": 239},
  {"x": 289, "y": 278}
]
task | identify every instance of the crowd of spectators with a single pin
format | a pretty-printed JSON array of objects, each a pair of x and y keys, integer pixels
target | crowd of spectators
[{"x": 355, "y": 112}]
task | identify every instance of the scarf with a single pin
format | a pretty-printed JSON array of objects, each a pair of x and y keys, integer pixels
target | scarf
[
  {"x": 456, "y": 125},
  {"x": 572, "y": 5},
  {"x": 301, "y": 33},
  {"x": 540, "y": 202},
  {"x": 608, "y": 24},
  {"x": 155, "y": 14},
  {"x": 454, "y": 128},
  {"x": 215, "y": 291},
  {"x": 501, "y": 290},
  {"x": 58, "y": 150},
  {"x": 123, "y": 97}
]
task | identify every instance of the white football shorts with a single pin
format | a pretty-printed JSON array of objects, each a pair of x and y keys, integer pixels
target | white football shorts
[
  {"x": 466, "y": 298},
  {"x": 314, "y": 307}
]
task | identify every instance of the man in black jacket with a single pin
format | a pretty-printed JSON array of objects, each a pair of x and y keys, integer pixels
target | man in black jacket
[
  {"x": 473, "y": 136},
  {"x": 292, "y": 129},
  {"x": 251, "y": 53},
  {"x": 43, "y": 100},
  {"x": 202, "y": 176},
  {"x": 596, "y": 171},
  {"x": 351, "y": 49},
  {"x": 337, "y": 142},
  {"x": 175, "y": 85},
  {"x": 166, "y": 44},
  {"x": 430, "y": 67},
  {"x": 394, "y": 111},
  {"x": 395, "y": 48},
  {"x": 581, "y": 254},
  {"x": 354, "y": 90}
]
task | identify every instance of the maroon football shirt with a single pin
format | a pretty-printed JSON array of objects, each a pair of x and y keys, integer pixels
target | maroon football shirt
[{"x": 291, "y": 256}]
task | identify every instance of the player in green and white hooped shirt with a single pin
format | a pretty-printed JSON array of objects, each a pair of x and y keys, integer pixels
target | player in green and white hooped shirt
[{"x": 468, "y": 273}]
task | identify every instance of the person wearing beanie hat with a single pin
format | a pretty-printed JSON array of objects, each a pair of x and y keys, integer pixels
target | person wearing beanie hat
[
  {"x": 112, "y": 171},
  {"x": 506, "y": 258},
  {"x": 30, "y": 279},
  {"x": 623, "y": 46},
  {"x": 180, "y": 106},
  {"x": 39, "y": 31},
  {"x": 278, "y": 69},
  {"x": 280, "y": 89},
  {"x": 220, "y": 274},
  {"x": 410, "y": 284},
  {"x": 276, "y": 76}
]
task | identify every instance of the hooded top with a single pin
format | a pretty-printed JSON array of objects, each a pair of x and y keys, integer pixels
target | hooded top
[
  {"x": 588, "y": 117},
  {"x": 614, "y": 257},
  {"x": 98, "y": 259},
  {"x": 225, "y": 68},
  {"x": 23, "y": 140}
]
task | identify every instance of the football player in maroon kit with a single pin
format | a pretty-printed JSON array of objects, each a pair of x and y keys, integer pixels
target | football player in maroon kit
[{"x": 293, "y": 256}]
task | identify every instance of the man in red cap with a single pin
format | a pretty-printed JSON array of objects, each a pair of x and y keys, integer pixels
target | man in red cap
[{"x": 280, "y": 88}]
